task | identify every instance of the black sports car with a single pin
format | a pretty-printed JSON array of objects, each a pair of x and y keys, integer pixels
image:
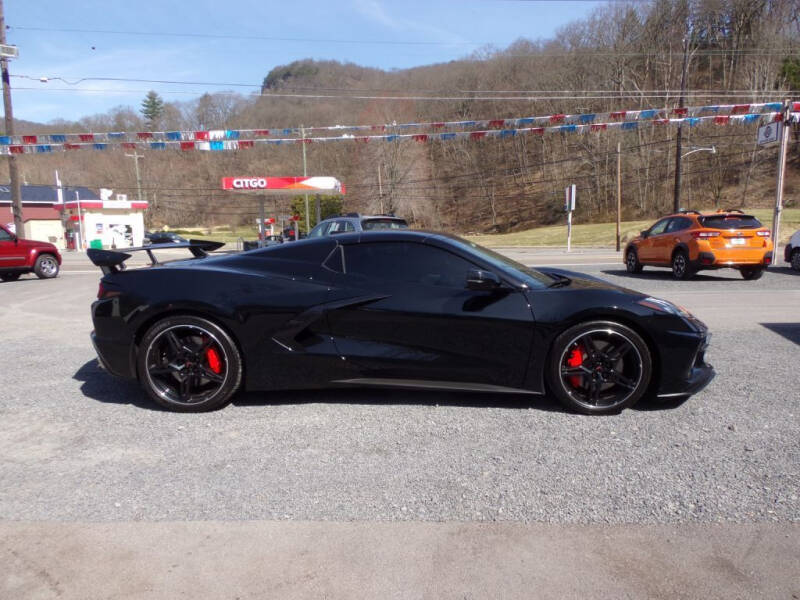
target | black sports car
[{"x": 405, "y": 309}]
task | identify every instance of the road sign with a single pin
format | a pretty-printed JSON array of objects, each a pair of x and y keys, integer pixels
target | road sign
[
  {"x": 768, "y": 133},
  {"x": 7, "y": 51}
]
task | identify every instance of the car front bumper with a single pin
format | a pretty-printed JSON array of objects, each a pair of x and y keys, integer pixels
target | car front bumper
[{"x": 689, "y": 377}]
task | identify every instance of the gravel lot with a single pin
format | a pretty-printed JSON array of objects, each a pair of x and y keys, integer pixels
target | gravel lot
[{"x": 78, "y": 444}]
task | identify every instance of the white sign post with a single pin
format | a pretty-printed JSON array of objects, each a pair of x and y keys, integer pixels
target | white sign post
[{"x": 569, "y": 206}]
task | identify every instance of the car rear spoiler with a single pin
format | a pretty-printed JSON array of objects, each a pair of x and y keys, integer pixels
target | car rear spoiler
[{"x": 111, "y": 261}]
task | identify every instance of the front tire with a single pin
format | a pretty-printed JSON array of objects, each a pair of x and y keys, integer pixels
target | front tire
[
  {"x": 189, "y": 364},
  {"x": 46, "y": 266},
  {"x": 680, "y": 266},
  {"x": 751, "y": 273},
  {"x": 632, "y": 263},
  {"x": 599, "y": 367}
]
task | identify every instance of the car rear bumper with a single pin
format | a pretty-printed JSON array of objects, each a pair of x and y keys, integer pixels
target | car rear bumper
[
  {"x": 717, "y": 260},
  {"x": 113, "y": 357}
]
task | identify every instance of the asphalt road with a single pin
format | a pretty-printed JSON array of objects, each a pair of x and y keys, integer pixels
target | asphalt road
[{"x": 80, "y": 446}]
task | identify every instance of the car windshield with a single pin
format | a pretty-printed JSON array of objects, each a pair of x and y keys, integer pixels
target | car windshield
[
  {"x": 531, "y": 277},
  {"x": 369, "y": 224},
  {"x": 730, "y": 222}
]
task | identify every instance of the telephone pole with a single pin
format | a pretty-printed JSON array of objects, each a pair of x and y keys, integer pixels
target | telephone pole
[
  {"x": 13, "y": 173},
  {"x": 135, "y": 158},
  {"x": 619, "y": 191},
  {"x": 784, "y": 142},
  {"x": 305, "y": 174},
  {"x": 676, "y": 203}
]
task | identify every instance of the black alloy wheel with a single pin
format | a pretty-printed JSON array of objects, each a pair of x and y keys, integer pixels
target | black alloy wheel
[
  {"x": 599, "y": 367},
  {"x": 9, "y": 276},
  {"x": 795, "y": 259},
  {"x": 632, "y": 263},
  {"x": 680, "y": 266},
  {"x": 751, "y": 273},
  {"x": 189, "y": 364}
]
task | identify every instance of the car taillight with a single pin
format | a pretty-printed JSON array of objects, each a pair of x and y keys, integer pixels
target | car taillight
[
  {"x": 102, "y": 292},
  {"x": 763, "y": 233},
  {"x": 705, "y": 234}
]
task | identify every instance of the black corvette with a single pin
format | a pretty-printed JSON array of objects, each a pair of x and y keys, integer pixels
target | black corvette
[{"x": 403, "y": 309}]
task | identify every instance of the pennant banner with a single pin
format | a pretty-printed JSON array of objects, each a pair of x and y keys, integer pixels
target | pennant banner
[
  {"x": 226, "y": 145},
  {"x": 223, "y": 135}
]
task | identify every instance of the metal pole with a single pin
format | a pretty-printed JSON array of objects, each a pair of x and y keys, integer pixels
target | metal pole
[
  {"x": 776, "y": 217},
  {"x": 80, "y": 220},
  {"x": 619, "y": 191},
  {"x": 380, "y": 188},
  {"x": 676, "y": 201},
  {"x": 13, "y": 173},
  {"x": 261, "y": 222},
  {"x": 305, "y": 174},
  {"x": 318, "y": 207}
]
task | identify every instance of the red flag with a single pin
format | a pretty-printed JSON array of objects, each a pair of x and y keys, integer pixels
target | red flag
[
  {"x": 618, "y": 115},
  {"x": 598, "y": 127},
  {"x": 422, "y": 137},
  {"x": 201, "y": 135},
  {"x": 246, "y": 144},
  {"x": 28, "y": 139},
  {"x": 476, "y": 135},
  {"x": 262, "y": 132},
  {"x": 86, "y": 137},
  {"x": 557, "y": 118},
  {"x": 681, "y": 112},
  {"x": 144, "y": 135},
  {"x": 129, "y": 145},
  {"x": 17, "y": 150},
  {"x": 538, "y": 130},
  {"x": 72, "y": 146},
  {"x": 497, "y": 123},
  {"x": 722, "y": 119},
  {"x": 187, "y": 145},
  {"x": 740, "y": 109}
]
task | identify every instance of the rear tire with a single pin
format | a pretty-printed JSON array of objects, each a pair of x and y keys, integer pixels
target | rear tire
[
  {"x": 177, "y": 369},
  {"x": 599, "y": 367},
  {"x": 795, "y": 259},
  {"x": 46, "y": 266},
  {"x": 751, "y": 273},
  {"x": 10, "y": 276},
  {"x": 681, "y": 269},
  {"x": 632, "y": 263}
]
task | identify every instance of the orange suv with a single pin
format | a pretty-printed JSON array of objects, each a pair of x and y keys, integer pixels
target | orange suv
[{"x": 690, "y": 241}]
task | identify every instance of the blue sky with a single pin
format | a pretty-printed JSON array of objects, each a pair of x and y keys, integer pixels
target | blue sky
[{"x": 443, "y": 29}]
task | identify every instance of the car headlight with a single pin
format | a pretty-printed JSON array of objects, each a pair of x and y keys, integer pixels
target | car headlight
[{"x": 665, "y": 306}]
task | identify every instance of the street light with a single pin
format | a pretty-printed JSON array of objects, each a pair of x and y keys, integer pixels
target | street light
[{"x": 712, "y": 150}]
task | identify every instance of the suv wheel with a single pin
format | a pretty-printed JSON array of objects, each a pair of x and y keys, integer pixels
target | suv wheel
[
  {"x": 795, "y": 259},
  {"x": 680, "y": 266},
  {"x": 46, "y": 266},
  {"x": 750, "y": 273},
  {"x": 632, "y": 262}
]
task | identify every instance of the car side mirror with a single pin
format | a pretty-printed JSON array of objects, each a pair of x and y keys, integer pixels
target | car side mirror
[
  {"x": 644, "y": 233},
  {"x": 480, "y": 280}
]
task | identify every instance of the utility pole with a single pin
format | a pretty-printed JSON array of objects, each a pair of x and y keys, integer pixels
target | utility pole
[
  {"x": 676, "y": 203},
  {"x": 380, "y": 188},
  {"x": 13, "y": 173},
  {"x": 619, "y": 191},
  {"x": 136, "y": 158},
  {"x": 776, "y": 217},
  {"x": 305, "y": 174}
]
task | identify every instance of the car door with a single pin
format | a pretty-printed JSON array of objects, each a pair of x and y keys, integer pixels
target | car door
[
  {"x": 412, "y": 318},
  {"x": 11, "y": 253},
  {"x": 649, "y": 247},
  {"x": 667, "y": 243}
]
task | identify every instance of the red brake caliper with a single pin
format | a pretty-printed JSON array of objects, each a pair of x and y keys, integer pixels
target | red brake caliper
[
  {"x": 575, "y": 360},
  {"x": 214, "y": 360}
]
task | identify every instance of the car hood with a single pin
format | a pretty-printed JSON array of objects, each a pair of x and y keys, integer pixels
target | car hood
[{"x": 588, "y": 282}]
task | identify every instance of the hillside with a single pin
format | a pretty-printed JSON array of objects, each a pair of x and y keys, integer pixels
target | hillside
[{"x": 624, "y": 57}]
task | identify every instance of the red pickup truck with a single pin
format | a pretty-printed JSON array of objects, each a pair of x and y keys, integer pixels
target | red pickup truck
[{"x": 18, "y": 256}]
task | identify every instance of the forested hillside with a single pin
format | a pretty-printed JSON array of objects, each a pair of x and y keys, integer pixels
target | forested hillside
[{"x": 626, "y": 56}]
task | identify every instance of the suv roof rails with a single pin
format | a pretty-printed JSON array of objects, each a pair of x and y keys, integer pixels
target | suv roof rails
[
  {"x": 684, "y": 211},
  {"x": 731, "y": 210}
]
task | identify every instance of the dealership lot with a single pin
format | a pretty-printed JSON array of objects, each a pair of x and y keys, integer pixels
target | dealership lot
[{"x": 79, "y": 445}]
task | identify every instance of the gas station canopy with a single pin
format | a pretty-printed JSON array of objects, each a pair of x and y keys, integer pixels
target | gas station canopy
[{"x": 283, "y": 185}]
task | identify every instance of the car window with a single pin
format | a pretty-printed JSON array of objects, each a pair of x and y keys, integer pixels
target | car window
[
  {"x": 5, "y": 236},
  {"x": 348, "y": 226},
  {"x": 406, "y": 262},
  {"x": 370, "y": 224},
  {"x": 319, "y": 230},
  {"x": 659, "y": 227},
  {"x": 679, "y": 224},
  {"x": 730, "y": 222}
]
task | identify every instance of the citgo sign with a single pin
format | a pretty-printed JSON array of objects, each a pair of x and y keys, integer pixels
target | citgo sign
[{"x": 244, "y": 183}]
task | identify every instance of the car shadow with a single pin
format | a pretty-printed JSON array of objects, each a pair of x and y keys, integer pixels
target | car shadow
[
  {"x": 662, "y": 275},
  {"x": 99, "y": 385},
  {"x": 784, "y": 271},
  {"x": 791, "y": 331}
]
